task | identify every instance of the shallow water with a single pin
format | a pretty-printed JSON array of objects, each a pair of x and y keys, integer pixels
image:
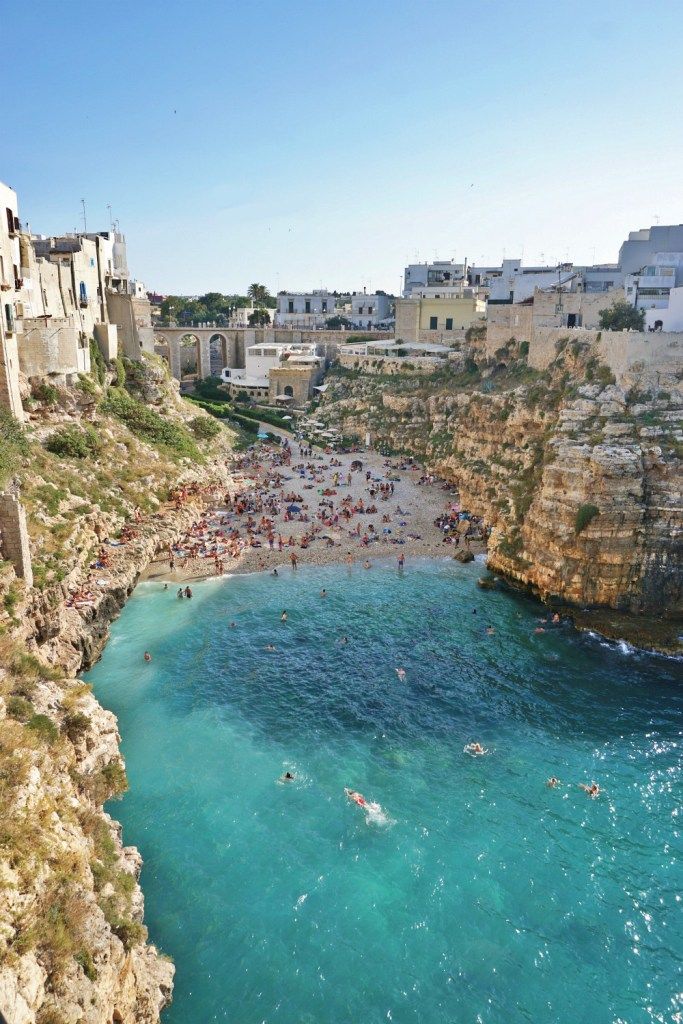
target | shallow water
[{"x": 484, "y": 896}]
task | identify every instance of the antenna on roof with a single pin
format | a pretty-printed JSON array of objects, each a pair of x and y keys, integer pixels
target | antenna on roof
[
  {"x": 111, "y": 223},
  {"x": 85, "y": 222}
]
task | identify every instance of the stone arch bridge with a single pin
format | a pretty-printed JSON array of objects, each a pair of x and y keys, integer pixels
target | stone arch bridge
[{"x": 204, "y": 339}]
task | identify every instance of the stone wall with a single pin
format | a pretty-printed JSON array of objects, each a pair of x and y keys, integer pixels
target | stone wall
[
  {"x": 106, "y": 336},
  {"x": 623, "y": 351},
  {"x": 381, "y": 364},
  {"x": 10, "y": 397},
  {"x": 14, "y": 536},
  {"x": 52, "y": 346}
]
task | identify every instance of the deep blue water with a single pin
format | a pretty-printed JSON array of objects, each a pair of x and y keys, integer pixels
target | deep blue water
[{"x": 486, "y": 897}]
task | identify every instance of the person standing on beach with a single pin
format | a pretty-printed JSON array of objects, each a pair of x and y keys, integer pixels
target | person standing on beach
[
  {"x": 401, "y": 560},
  {"x": 293, "y": 559}
]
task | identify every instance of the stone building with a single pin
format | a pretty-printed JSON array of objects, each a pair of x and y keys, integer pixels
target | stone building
[
  {"x": 10, "y": 286},
  {"x": 57, "y": 294},
  {"x": 304, "y": 309},
  {"x": 437, "y": 320}
]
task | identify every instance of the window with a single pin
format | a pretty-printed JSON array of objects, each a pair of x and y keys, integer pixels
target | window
[
  {"x": 370, "y": 310},
  {"x": 360, "y": 311},
  {"x": 324, "y": 305},
  {"x": 9, "y": 318},
  {"x": 82, "y": 293},
  {"x": 449, "y": 323},
  {"x": 433, "y": 323},
  {"x": 308, "y": 305},
  {"x": 290, "y": 306}
]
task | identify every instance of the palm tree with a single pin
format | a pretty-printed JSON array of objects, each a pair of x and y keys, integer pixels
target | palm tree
[{"x": 258, "y": 293}]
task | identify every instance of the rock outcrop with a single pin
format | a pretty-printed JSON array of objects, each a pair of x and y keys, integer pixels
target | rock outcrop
[
  {"x": 73, "y": 945},
  {"x": 578, "y": 477}
]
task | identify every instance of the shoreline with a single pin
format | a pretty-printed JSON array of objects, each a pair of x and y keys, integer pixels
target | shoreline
[{"x": 83, "y": 633}]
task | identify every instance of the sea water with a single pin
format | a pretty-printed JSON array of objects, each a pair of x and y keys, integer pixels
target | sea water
[{"x": 480, "y": 894}]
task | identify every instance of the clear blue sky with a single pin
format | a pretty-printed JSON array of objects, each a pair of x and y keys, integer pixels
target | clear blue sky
[{"x": 328, "y": 143}]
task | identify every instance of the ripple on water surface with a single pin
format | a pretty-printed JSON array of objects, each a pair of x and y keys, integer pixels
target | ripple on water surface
[{"x": 484, "y": 896}]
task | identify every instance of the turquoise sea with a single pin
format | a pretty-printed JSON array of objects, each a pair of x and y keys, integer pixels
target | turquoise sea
[{"x": 484, "y": 896}]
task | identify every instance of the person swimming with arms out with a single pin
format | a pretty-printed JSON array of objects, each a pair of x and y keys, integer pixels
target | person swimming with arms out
[
  {"x": 593, "y": 790},
  {"x": 475, "y": 749},
  {"x": 552, "y": 782},
  {"x": 401, "y": 673}
]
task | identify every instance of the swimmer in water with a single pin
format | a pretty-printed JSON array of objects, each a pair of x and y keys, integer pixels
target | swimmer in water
[
  {"x": 343, "y": 640},
  {"x": 593, "y": 790},
  {"x": 357, "y": 798},
  {"x": 287, "y": 777},
  {"x": 233, "y": 625},
  {"x": 283, "y": 617},
  {"x": 552, "y": 782},
  {"x": 367, "y": 564},
  {"x": 475, "y": 749},
  {"x": 323, "y": 593},
  {"x": 490, "y": 630},
  {"x": 275, "y": 573},
  {"x": 147, "y": 656},
  {"x": 270, "y": 647},
  {"x": 401, "y": 673}
]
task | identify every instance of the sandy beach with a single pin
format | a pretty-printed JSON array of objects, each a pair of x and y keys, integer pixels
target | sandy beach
[{"x": 410, "y": 510}]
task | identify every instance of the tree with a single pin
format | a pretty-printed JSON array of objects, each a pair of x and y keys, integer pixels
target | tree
[
  {"x": 622, "y": 316},
  {"x": 335, "y": 323},
  {"x": 259, "y": 294},
  {"x": 259, "y": 318}
]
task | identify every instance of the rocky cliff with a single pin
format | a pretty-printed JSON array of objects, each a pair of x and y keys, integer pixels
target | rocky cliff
[
  {"x": 94, "y": 457},
  {"x": 578, "y": 476}
]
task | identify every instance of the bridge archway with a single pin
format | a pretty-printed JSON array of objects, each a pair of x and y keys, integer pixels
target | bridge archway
[{"x": 218, "y": 347}]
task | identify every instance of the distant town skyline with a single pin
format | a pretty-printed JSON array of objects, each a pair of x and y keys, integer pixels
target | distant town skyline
[{"x": 303, "y": 147}]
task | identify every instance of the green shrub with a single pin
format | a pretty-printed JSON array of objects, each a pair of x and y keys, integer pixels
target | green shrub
[
  {"x": 13, "y": 445},
  {"x": 45, "y": 393},
  {"x": 148, "y": 424},
  {"x": 523, "y": 349},
  {"x": 585, "y": 515},
  {"x": 85, "y": 960},
  {"x": 74, "y": 442},
  {"x": 75, "y": 725},
  {"x": 86, "y": 385},
  {"x": 113, "y": 776},
  {"x": 19, "y": 708},
  {"x": 119, "y": 371},
  {"x": 44, "y": 727},
  {"x": 98, "y": 367},
  {"x": 204, "y": 428}
]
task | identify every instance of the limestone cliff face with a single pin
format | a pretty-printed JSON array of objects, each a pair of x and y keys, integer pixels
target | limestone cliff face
[
  {"x": 73, "y": 945},
  {"x": 72, "y": 942},
  {"x": 579, "y": 478}
]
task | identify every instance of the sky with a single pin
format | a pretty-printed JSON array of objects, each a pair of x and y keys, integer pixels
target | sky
[{"x": 327, "y": 144}]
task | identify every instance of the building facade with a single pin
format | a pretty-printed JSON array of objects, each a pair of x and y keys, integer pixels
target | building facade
[
  {"x": 428, "y": 320},
  {"x": 58, "y": 294},
  {"x": 304, "y": 310},
  {"x": 428, "y": 275},
  {"x": 368, "y": 311}
]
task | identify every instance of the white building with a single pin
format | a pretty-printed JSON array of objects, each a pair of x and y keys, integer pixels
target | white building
[
  {"x": 669, "y": 317},
  {"x": 254, "y": 377},
  {"x": 304, "y": 310},
  {"x": 369, "y": 311},
  {"x": 428, "y": 275}
]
